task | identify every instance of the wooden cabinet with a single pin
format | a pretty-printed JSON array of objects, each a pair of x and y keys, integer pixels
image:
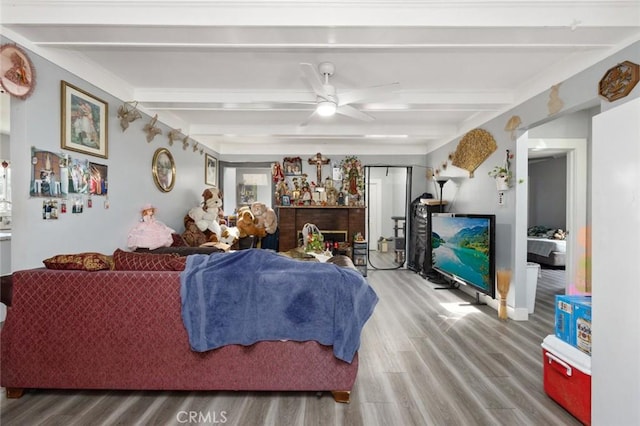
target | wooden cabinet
[{"x": 291, "y": 220}]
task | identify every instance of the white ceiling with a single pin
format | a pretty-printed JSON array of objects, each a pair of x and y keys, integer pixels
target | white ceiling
[{"x": 228, "y": 72}]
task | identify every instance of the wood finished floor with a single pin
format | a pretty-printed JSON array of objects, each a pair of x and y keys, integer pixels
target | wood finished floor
[{"x": 424, "y": 360}]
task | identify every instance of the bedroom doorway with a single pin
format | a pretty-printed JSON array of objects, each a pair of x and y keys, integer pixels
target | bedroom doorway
[{"x": 574, "y": 153}]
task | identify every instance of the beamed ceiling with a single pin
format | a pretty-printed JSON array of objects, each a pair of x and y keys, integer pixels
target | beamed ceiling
[{"x": 228, "y": 72}]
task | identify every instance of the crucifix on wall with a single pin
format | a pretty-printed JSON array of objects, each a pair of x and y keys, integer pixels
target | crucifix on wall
[{"x": 319, "y": 161}]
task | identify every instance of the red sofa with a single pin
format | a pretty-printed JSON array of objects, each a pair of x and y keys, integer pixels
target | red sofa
[{"x": 123, "y": 330}]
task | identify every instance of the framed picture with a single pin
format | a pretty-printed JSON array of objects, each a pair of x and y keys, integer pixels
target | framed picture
[
  {"x": 84, "y": 121},
  {"x": 292, "y": 166},
  {"x": 163, "y": 168},
  {"x": 286, "y": 201},
  {"x": 210, "y": 170}
]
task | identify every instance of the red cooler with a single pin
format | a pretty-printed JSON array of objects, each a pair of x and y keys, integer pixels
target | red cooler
[{"x": 567, "y": 377}]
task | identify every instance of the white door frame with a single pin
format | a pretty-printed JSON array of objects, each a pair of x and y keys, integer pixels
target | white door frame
[{"x": 577, "y": 275}]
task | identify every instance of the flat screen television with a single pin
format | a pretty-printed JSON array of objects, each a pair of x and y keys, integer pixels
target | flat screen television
[{"x": 463, "y": 249}]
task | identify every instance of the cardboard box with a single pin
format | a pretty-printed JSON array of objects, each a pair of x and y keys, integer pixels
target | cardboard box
[
  {"x": 567, "y": 377},
  {"x": 566, "y": 320},
  {"x": 383, "y": 246},
  {"x": 582, "y": 319}
]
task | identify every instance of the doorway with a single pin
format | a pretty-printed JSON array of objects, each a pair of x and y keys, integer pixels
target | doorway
[
  {"x": 387, "y": 201},
  {"x": 575, "y": 152}
]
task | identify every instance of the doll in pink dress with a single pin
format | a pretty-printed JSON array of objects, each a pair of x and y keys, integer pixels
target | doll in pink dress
[{"x": 150, "y": 233}]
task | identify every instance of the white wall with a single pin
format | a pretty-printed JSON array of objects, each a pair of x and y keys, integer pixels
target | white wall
[
  {"x": 548, "y": 193},
  {"x": 478, "y": 194},
  {"x": 615, "y": 359},
  {"x": 36, "y": 122}
]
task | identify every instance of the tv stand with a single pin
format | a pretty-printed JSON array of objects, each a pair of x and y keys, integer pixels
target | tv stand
[
  {"x": 476, "y": 303},
  {"x": 442, "y": 280}
]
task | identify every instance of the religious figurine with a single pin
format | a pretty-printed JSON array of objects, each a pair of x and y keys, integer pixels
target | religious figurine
[
  {"x": 276, "y": 172},
  {"x": 319, "y": 161},
  {"x": 295, "y": 194},
  {"x": 331, "y": 191}
]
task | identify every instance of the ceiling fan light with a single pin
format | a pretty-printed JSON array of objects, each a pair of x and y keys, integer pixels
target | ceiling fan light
[{"x": 326, "y": 108}]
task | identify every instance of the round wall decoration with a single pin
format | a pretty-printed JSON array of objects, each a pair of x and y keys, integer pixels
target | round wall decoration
[
  {"x": 17, "y": 75},
  {"x": 163, "y": 168}
]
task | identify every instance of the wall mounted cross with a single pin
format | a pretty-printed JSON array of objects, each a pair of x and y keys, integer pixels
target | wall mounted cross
[{"x": 319, "y": 161}]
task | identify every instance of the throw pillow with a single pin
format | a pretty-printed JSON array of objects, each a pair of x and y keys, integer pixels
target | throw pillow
[
  {"x": 130, "y": 261},
  {"x": 81, "y": 261}
]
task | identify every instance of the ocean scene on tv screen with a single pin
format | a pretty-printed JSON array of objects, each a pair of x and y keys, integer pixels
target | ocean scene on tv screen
[{"x": 461, "y": 247}]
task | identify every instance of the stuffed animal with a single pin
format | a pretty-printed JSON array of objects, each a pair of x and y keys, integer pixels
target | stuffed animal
[
  {"x": 230, "y": 235},
  {"x": 559, "y": 234},
  {"x": 207, "y": 222},
  {"x": 193, "y": 236},
  {"x": 150, "y": 233},
  {"x": 213, "y": 203},
  {"x": 247, "y": 224},
  {"x": 205, "y": 219},
  {"x": 265, "y": 216}
]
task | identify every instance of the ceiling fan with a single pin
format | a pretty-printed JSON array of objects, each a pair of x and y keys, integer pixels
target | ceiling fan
[{"x": 329, "y": 103}]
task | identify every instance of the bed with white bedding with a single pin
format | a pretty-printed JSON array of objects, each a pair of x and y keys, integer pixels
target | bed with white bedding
[{"x": 545, "y": 248}]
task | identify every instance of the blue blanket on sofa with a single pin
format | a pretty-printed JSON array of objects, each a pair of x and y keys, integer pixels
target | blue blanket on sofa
[{"x": 251, "y": 295}]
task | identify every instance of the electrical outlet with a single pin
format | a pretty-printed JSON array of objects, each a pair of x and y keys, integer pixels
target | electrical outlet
[{"x": 501, "y": 198}]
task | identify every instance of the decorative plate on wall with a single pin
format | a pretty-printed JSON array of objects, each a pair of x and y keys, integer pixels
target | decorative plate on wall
[
  {"x": 17, "y": 75},
  {"x": 619, "y": 81}
]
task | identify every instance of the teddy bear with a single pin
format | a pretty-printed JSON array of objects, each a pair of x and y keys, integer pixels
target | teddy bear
[
  {"x": 205, "y": 219},
  {"x": 230, "y": 235},
  {"x": 207, "y": 222},
  {"x": 248, "y": 224},
  {"x": 265, "y": 216},
  {"x": 213, "y": 201}
]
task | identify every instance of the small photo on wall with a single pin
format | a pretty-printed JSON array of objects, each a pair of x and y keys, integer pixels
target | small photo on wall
[
  {"x": 78, "y": 176},
  {"x": 98, "y": 179},
  {"x": 48, "y": 172}
]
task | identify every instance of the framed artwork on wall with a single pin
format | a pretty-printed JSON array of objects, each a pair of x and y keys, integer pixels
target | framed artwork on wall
[
  {"x": 163, "y": 168},
  {"x": 210, "y": 170},
  {"x": 292, "y": 166},
  {"x": 84, "y": 121}
]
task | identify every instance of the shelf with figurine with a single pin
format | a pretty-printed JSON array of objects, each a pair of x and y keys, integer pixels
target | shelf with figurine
[{"x": 345, "y": 188}]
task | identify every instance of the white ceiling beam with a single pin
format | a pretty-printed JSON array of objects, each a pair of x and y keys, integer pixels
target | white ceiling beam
[
  {"x": 179, "y": 98},
  {"x": 332, "y": 13}
]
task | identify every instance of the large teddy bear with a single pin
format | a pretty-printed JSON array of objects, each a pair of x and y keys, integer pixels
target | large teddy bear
[
  {"x": 265, "y": 216},
  {"x": 248, "y": 224},
  {"x": 205, "y": 223}
]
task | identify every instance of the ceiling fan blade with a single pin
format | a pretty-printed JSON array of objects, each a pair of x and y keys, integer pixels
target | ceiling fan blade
[
  {"x": 313, "y": 78},
  {"x": 352, "y": 112},
  {"x": 308, "y": 119},
  {"x": 372, "y": 92}
]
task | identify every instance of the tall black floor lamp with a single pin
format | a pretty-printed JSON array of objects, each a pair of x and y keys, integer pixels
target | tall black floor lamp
[{"x": 441, "y": 181}]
